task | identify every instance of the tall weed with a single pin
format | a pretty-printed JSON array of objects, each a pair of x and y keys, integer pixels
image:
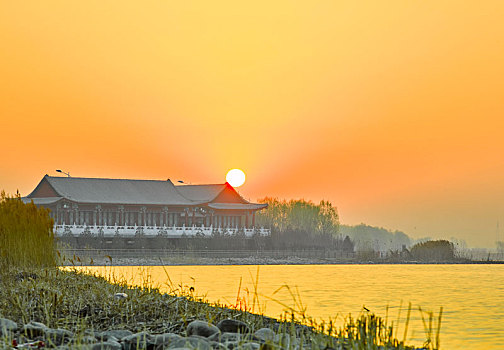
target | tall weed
[{"x": 26, "y": 235}]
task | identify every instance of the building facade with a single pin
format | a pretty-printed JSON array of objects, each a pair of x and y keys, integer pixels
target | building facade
[{"x": 107, "y": 207}]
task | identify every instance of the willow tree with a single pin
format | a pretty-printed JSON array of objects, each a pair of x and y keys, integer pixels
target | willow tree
[{"x": 299, "y": 215}]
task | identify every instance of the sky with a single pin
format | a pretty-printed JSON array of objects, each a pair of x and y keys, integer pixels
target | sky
[{"x": 391, "y": 110}]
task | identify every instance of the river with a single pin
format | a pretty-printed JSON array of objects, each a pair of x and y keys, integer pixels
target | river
[{"x": 472, "y": 296}]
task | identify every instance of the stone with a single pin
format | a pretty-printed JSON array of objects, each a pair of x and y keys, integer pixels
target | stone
[
  {"x": 34, "y": 329},
  {"x": 120, "y": 296},
  {"x": 7, "y": 326},
  {"x": 231, "y": 344},
  {"x": 265, "y": 334},
  {"x": 166, "y": 339},
  {"x": 283, "y": 340},
  {"x": 198, "y": 343},
  {"x": 181, "y": 343},
  {"x": 107, "y": 345},
  {"x": 201, "y": 328},
  {"x": 117, "y": 334},
  {"x": 250, "y": 346},
  {"x": 233, "y": 326},
  {"x": 57, "y": 336},
  {"x": 83, "y": 339},
  {"x": 217, "y": 346},
  {"x": 224, "y": 337},
  {"x": 138, "y": 341}
]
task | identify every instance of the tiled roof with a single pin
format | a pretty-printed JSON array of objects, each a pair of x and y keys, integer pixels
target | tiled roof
[
  {"x": 93, "y": 190},
  {"x": 242, "y": 206},
  {"x": 139, "y": 192},
  {"x": 201, "y": 193},
  {"x": 41, "y": 200}
]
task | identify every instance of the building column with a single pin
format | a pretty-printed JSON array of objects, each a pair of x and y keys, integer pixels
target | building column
[{"x": 253, "y": 219}]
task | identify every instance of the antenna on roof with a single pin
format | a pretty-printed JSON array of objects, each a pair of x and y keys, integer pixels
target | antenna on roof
[{"x": 60, "y": 171}]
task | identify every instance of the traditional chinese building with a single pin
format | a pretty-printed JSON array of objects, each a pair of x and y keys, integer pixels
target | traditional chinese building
[{"x": 149, "y": 207}]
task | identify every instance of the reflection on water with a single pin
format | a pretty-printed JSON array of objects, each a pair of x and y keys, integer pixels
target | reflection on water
[{"x": 472, "y": 296}]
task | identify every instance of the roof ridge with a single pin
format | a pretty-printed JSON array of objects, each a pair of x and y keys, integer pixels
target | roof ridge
[{"x": 104, "y": 178}]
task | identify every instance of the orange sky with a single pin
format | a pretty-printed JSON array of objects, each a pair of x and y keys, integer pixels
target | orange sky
[{"x": 393, "y": 110}]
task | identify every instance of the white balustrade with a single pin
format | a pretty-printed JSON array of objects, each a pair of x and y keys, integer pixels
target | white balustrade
[{"x": 150, "y": 231}]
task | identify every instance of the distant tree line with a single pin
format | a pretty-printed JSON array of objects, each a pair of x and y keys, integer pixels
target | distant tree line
[{"x": 376, "y": 239}]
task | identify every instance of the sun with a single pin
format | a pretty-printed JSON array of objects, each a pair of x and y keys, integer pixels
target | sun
[{"x": 235, "y": 177}]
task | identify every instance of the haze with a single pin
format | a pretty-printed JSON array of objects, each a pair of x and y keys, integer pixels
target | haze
[{"x": 391, "y": 110}]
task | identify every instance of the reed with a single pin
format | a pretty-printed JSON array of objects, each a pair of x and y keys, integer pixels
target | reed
[{"x": 26, "y": 236}]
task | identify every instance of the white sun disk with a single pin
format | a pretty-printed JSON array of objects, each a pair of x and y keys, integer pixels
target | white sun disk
[{"x": 235, "y": 177}]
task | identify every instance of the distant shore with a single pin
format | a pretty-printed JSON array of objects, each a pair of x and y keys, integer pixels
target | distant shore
[{"x": 184, "y": 261}]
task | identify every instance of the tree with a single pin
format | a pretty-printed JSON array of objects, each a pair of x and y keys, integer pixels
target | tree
[
  {"x": 328, "y": 219},
  {"x": 441, "y": 250}
]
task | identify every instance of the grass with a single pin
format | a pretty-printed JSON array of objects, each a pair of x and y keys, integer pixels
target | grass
[{"x": 79, "y": 302}]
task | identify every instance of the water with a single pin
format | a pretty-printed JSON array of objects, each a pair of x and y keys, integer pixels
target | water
[{"x": 472, "y": 296}]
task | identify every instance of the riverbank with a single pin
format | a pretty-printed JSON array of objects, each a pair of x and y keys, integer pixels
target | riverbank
[
  {"x": 108, "y": 260},
  {"x": 167, "y": 257},
  {"x": 64, "y": 309}
]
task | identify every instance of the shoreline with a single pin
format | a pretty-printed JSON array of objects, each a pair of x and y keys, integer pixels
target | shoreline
[{"x": 194, "y": 261}]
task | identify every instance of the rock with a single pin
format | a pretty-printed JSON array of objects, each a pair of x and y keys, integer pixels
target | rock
[
  {"x": 201, "y": 328},
  {"x": 166, "y": 339},
  {"x": 85, "y": 339},
  {"x": 107, "y": 345},
  {"x": 34, "y": 329},
  {"x": 283, "y": 339},
  {"x": 138, "y": 341},
  {"x": 7, "y": 326},
  {"x": 57, "y": 336},
  {"x": 250, "y": 346},
  {"x": 198, "y": 343},
  {"x": 217, "y": 346},
  {"x": 116, "y": 334},
  {"x": 225, "y": 337},
  {"x": 233, "y": 326},
  {"x": 190, "y": 343},
  {"x": 120, "y": 296},
  {"x": 265, "y": 334}
]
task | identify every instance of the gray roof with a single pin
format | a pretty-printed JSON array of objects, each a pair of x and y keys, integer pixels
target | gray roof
[
  {"x": 139, "y": 192},
  {"x": 201, "y": 193},
  {"x": 92, "y": 190},
  {"x": 243, "y": 206},
  {"x": 41, "y": 200}
]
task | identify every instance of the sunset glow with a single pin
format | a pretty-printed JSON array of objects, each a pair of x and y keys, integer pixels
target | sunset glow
[{"x": 393, "y": 111}]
